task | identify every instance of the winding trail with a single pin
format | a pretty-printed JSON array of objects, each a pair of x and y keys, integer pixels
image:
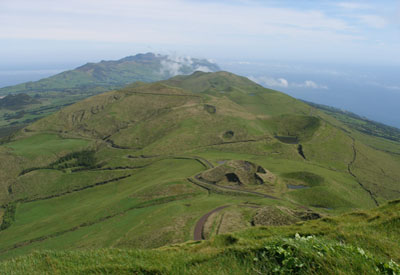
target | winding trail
[
  {"x": 199, "y": 228},
  {"x": 234, "y": 142},
  {"x": 354, "y": 176},
  {"x": 207, "y": 164}
]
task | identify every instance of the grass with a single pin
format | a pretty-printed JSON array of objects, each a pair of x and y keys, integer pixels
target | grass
[
  {"x": 73, "y": 209},
  {"x": 361, "y": 124},
  {"x": 48, "y": 182},
  {"x": 308, "y": 178},
  {"x": 347, "y": 244},
  {"x": 43, "y": 145}
]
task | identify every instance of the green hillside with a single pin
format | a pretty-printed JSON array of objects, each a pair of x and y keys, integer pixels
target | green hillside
[
  {"x": 359, "y": 242},
  {"x": 52, "y": 93},
  {"x": 193, "y": 157},
  {"x": 377, "y": 135}
]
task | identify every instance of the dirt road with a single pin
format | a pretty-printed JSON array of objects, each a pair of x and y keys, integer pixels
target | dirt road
[{"x": 198, "y": 229}]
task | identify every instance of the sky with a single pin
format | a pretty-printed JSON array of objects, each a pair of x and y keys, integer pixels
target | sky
[
  {"x": 72, "y": 31},
  {"x": 340, "y": 53}
]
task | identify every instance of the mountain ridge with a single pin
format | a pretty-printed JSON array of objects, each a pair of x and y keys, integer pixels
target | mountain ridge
[{"x": 102, "y": 73}]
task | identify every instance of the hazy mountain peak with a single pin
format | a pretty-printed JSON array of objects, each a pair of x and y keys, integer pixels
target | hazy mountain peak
[{"x": 106, "y": 75}]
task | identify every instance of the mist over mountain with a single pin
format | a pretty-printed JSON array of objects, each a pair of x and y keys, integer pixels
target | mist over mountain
[{"x": 111, "y": 74}]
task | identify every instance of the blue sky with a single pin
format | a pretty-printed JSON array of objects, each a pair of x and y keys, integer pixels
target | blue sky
[{"x": 76, "y": 31}]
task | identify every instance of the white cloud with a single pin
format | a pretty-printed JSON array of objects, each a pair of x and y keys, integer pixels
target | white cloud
[
  {"x": 385, "y": 86},
  {"x": 374, "y": 21},
  {"x": 353, "y": 5},
  {"x": 174, "y": 21},
  {"x": 174, "y": 65},
  {"x": 203, "y": 69},
  {"x": 270, "y": 82},
  {"x": 283, "y": 83},
  {"x": 170, "y": 68},
  {"x": 310, "y": 84},
  {"x": 212, "y": 28},
  {"x": 393, "y": 88}
]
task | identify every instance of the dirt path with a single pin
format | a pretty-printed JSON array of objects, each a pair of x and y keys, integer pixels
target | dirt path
[
  {"x": 354, "y": 176},
  {"x": 198, "y": 229},
  {"x": 201, "y": 160}
]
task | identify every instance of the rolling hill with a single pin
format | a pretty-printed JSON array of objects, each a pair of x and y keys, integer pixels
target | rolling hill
[
  {"x": 192, "y": 157},
  {"x": 52, "y": 93}
]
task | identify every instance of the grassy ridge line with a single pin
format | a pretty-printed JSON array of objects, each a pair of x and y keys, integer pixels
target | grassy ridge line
[
  {"x": 355, "y": 177},
  {"x": 359, "y": 123},
  {"x": 75, "y": 190},
  {"x": 188, "y": 95},
  {"x": 234, "y": 142},
  {"x": 154, "y": 202},
  {"x": 227, "y": 190}
]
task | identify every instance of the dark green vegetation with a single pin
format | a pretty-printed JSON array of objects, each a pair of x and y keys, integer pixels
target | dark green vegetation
[
  {"x": 307, "y": 178},
  {"x": 84, "y": 160},
  {"x": 30, "y": 101},
  {"x": 8, "y": 216},
  {"x": 138, "y": 168},
  {"x": 355, "y": 243},
  {"x": 15, "y": 102}
]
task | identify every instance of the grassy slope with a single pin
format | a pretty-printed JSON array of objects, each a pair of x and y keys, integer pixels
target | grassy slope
[
  {"x": 155, "y": 205},
  {"x": 354, "y": 243},
  {"x": 363, "y": 125}
]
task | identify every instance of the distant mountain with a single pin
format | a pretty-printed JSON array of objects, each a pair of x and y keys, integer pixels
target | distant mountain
[{"x": 112, "y": 74}]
